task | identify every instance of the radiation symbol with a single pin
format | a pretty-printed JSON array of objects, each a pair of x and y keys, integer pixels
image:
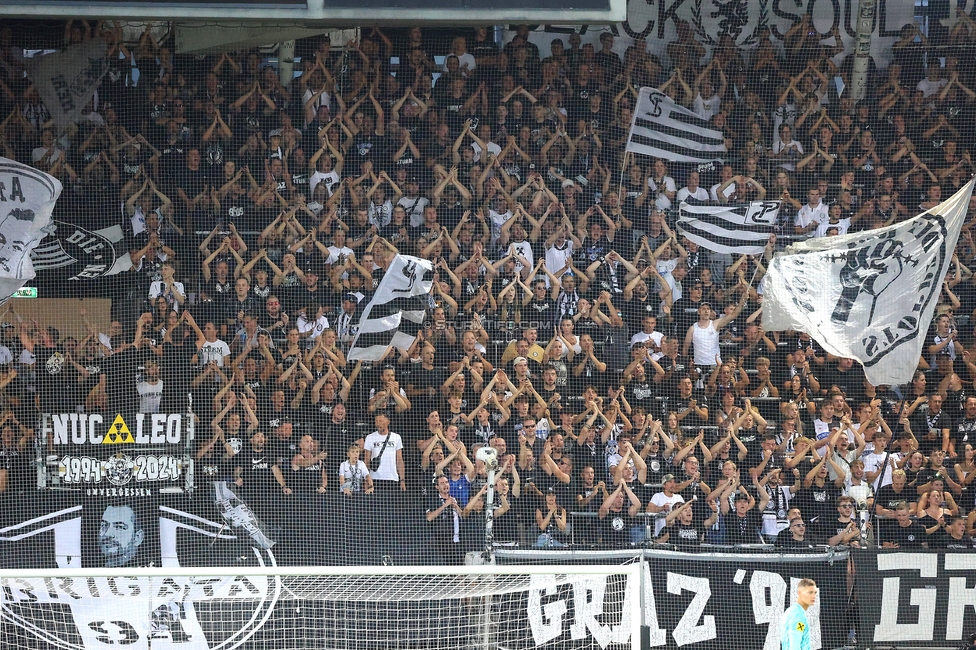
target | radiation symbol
[{"x": 118, "y": 433}]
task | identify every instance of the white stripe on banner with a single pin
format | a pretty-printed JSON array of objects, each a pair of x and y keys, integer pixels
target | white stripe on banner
[
  {"x": 400, "y": 296},
  {"x": 734, "y": 229},
  {"x": 664, "y": 129}
]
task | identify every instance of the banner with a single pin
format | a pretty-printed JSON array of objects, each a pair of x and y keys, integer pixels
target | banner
[
  {"x": 27, "y": 198},
  {"x": 735, "y": 229},
  {"x": 869, "y": 296},
  {"x": 75, "y": 253},
  {"x": 741, "y": 20},
  {"x": 923, "y": 599},
  {"x": 663, "y": 129},
  {"x": 67, "y": 80},
  {"x": 397, "y": 310},
  {"x": 116, "y": 455},
  {"x": 708, "y": 599}
]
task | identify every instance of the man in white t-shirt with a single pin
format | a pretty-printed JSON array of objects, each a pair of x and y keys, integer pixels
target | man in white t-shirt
[
  {"x": 498, "y": 214},
  {"x": 311, "y": 326},
  {"x": 664, "y": 501},
  {"x": 707, "y": 103},
  {"x": 648, "y": 333},
  {"x": 559, "y": 248},
  {"x": 325, "y": 172},
  {"x": 338, "y": 248},
  {"x": 386, "y": 446},
  {"x": 786, "y": 150},
  {"x": 933, "y": 81},
  {"x": 812, "y": 214},
  {"x": 210, "y": 348},
  {"x": 877, "y": 475},
  {"x": 664, "y": 189},
  {"x": 726, "y": 185},
  {"x": 692, "y": 190}
]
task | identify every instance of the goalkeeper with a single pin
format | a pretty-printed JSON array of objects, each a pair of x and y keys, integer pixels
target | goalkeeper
[{"x": 795, "y": 629}]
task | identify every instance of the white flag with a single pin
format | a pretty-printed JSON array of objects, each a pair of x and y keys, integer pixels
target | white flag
[
  {"x": 66, "y": 80},
  {"x": 72, "y": 252},
  {"x": 396, "y": 311},
  {"x": 27, "y": 198},
  {"x": 663, "y": 129},
  {"x": 869, "y": 296},
  {"x": 737, "y": 229}
]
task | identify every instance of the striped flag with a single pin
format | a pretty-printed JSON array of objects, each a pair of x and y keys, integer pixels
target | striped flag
[
  {"x": 663, "y": 129},
  {"x": 738, "y": 229},
  {"x": 397, "y": 310}
]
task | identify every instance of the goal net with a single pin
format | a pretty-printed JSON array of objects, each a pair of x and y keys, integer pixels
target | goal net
[{"x": 352, "y": 608}]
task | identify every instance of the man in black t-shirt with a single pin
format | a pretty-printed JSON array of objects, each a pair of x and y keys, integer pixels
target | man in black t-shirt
[
  {"x": 795, "y": 536},
  {"x": 963, "y": 430},
  {"x": 619, "y": 526},
  {"x": 744, "y": 525},
  {"x": 444, "y": 515},
  {"x": 690, "y": 406},
  {"x": 335, "y": 432},
  {"x": 257, "y": 474},
  {"x": 588, "y": 491},
  {"x": 905, "y": 533},
  {"x": 952, "y": 535},
  {"x": 842, "y": 530}
]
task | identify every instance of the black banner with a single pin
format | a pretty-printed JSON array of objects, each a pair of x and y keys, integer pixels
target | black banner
[
  {"x": 918, "y": 599},
  {"x": 706, "y": 600},
  {"x": 116, "y": 454}
]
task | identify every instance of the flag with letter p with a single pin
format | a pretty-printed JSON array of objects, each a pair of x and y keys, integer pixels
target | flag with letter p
[
  {"x": 736, "y": 229},
  {"x": 869, "y": 296},
  {"x": 397, "y": 310},
  {"x": 27, "y": 198},
  {"x": 663, "y": 129}
]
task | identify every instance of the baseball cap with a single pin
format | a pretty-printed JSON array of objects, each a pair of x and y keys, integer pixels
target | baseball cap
[
  {"x": 351, "y": 297},
  {"x": 519, "y": 360},
  {"x": 274, "y": 132},
  {"x": 666, "y": 478},
  {"x": 741, "y": 496}
]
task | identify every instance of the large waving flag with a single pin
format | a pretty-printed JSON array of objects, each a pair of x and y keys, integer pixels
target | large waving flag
[
  {"x": 397, "y": 310},
  {"x": 869, "y": 296},
  {"x": 27, "y": 198},
  {"x": 663, "y": 129},
  {"x": 737, "y": 229}
]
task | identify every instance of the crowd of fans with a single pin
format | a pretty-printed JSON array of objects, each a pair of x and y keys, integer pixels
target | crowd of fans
[{"x": 620, "y": 370}]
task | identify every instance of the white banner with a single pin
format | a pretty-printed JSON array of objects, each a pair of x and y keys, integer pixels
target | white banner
[
  {"x": 67, "y": 80},
  {"x": 27, "y": 198},
  {"x": 396, "y": 311},
  {"x": 868, "y": 296},
  {"x": 743, "y": 20}
]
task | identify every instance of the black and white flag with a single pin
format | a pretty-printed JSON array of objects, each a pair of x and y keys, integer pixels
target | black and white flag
[
  {"x": 397, "y": 310},
  {"x": 67, "y": 80},
  {"x": 664, "y": 129},
  {"x": 27, "y": 198},
  {"x": 76, "y": 253},
  {"x": 737, "y": 229},
  {"x": 869, "y": 296}
]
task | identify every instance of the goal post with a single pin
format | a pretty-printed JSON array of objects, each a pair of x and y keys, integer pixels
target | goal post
[{"x": 357, "y": 607}]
